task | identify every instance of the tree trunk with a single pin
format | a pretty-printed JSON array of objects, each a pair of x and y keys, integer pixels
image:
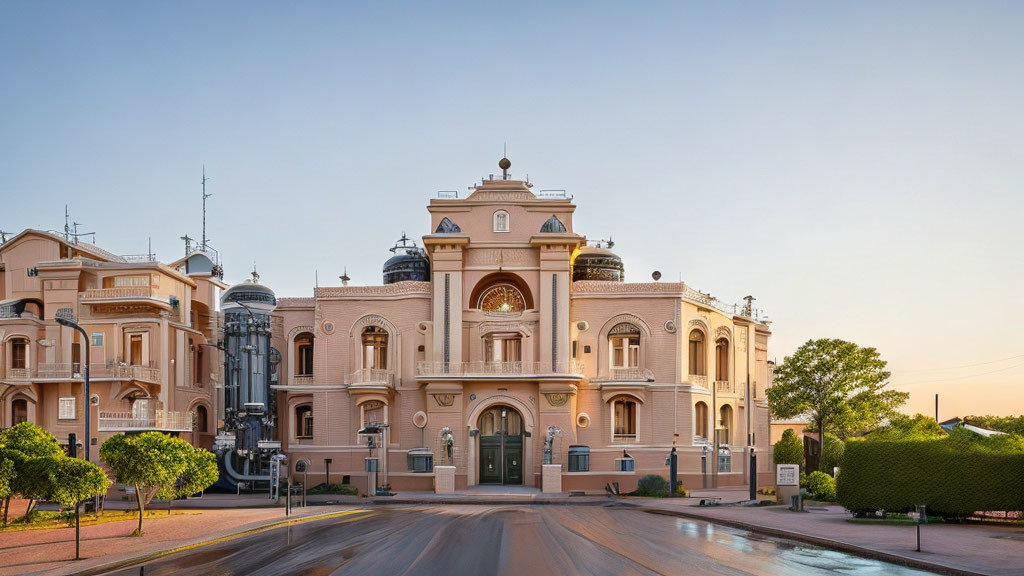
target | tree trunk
[
  {"x": 168, "y": 506},
  {"x": 138, "y": 498},
  {"x": 7, "y": 508},
  {"x": 31, "y": 504}
]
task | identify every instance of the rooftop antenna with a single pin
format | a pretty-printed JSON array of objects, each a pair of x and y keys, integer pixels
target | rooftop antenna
[
  {"x": 205, "y": 196},
  {"x": 188, "y": 244},
  {"x": 344, "y": 277},
  {"x": 150, "y": 249},
  {"x": 504, "y": 163},
  {"x": 748, "y": 309},
  {"x": 255, "y": 274},
  {"x": 316, "y": 280},
  {"x": 67, "y": 226},
  {"x": 3, "y": 236}
]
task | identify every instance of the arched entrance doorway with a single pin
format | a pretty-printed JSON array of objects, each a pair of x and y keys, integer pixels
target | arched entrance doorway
[{"x": 501, "y": 445}]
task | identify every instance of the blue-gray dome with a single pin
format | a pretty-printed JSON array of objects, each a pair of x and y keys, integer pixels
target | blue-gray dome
[
  {"x": 408, "y": 263},
  {"x": 249, "y": 292},
  {"x": 594, "y": 263}
]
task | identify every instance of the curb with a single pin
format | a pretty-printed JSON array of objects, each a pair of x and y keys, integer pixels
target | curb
[
  {"x": 119, "y": 564},
  {"x": 815, "y": 540}
]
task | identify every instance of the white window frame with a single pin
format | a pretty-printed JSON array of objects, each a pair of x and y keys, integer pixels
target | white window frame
[
  {"x": 624, "y": 438},
  {"x": 507, "y": 224},
  {"x": 66, "y": 408},
  {"x": 627, "y": 350},
  {"x": 93, "y": 339}
]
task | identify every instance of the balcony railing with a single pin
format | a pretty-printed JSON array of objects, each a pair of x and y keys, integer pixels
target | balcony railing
[
  {"x": 372, "y": 376},
  {"x": 147, "y": 373},
  {"x": 302, "y": 379},
  {"x": 164, "y": 420},
  {"x": 631, "y": 373},
  {"x": 19, "y": 373},
  {"x": 120, "y": 292},
  {"x": 497, "y": 369},
  {"x": 725, "y": 387},
  {"x": 699, "y": 380}
]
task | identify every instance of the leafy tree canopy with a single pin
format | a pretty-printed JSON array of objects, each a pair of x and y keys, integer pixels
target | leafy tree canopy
[
  {"x": 903, "y": 428},
  {"x": 1008, "y": 424},
  {"x": 840, "y": 385},
  {"x": 73, "y": 480},
  {"x": 26, "y": 440}
]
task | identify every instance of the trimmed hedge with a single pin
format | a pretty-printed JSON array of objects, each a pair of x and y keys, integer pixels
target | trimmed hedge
[{"x": 896, "y": 476}]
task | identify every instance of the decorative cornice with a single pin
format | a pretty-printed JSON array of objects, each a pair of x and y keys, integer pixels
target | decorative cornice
[
  {"x": 396, "y": 289},
  {"x": 604, "y": 287}
]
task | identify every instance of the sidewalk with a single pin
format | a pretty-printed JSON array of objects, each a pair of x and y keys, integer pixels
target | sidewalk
[
  {"x": 946, "y": 548},
  {"x": 52, "y": 552}
]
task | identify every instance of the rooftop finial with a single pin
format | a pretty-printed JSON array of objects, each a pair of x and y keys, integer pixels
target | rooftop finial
[
  {"x": 255, "y": 274},
  {"x": 504, "y": 164},
  {"x": 344, "y": 277}
]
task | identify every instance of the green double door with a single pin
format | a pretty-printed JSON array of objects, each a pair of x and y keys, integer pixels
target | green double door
[{"x": 501, "y": 447}]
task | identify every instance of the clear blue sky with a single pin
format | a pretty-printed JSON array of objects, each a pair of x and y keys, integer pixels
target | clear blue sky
[{"x": 858, "y": 167}]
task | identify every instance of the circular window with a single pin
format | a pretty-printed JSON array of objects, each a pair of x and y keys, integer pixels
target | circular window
[
  {"x": 583, "y": 420},
  {"x": 502, "y": 298},
  {"x": 327, "y": 327},
  {"x": 419, "y": 419}
]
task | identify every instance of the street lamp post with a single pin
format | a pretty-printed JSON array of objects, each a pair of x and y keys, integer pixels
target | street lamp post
[{"x": 85, "y": 373}]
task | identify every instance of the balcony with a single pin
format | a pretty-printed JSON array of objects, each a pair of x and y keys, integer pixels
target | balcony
[
  {"x": 627, "y": 374},
  {"x": 148, "y": 295},
  {"x": 699, "y": 381},
  {"x": 572, "y": 369},
  {"x": 302, "y": 379},
  {"x": 725, "y": 387},
  {"x": 108, "y": 371},
  {"x": 161, "y": 420},
  {"x": 19, "y": 374},
  {"x": 371, "y": 380}
]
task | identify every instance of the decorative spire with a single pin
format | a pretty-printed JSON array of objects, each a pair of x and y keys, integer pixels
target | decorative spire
[
  {"x": 255, "y": 274},
  {"x": 344, "y": 277}
]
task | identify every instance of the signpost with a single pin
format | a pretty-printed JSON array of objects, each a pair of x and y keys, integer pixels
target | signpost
[{"x": 787, "y": 482}]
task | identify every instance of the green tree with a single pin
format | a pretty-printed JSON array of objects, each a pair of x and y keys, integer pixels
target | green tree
[
  {"x": 832, "y": 451},
  {"x": 148, "y": 462},
  {"x": 789, "y": 449},
  {"x": 73, "y": 480},
  {"x": 20, "y": 444},
  {"x": 903, "y": 428},
  {"x": 1008, "y": 424},
  {"x": 840, "y": 385},
  {"x": 200, "y": 472}
]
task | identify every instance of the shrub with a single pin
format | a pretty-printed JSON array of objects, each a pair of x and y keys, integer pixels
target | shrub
[
  {"x": 789, "y": 449},
  {"x": 339, "y": 489},
  {"x": 821, "y": 486},
  {"x": 652, "y": 486},
  {"x": 681, "y": 491},
  {"x": 950, "y": 478}
]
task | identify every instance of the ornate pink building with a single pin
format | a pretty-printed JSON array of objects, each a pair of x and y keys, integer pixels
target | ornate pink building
[
  {"x": 151, "y": 329},
  {"x": 506, "y": 325}
]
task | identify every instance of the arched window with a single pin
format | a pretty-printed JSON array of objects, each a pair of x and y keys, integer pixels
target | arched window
[
  {"x": 623, "y": 420},
  {"x": 202, "y": 419},
  {"x": 722, "y": 360},
  {"x": 697, "y": 354},
  {"x": 304, "y": 354},
  {"x": 304, "y": 421},
  {"x": 624, "y": 345},
  {"x": 726, "y": 435},
  {"x": 500, "y": 420},
  {"x": 19, "y": 411},
  {"x": 19, "y": 353},
  {"x": 501, "y": 221},
  {"x": 700, "y": 420},
  {"x": 374, "y": 413},
  {"x": 502, "y": 298},
  {"x": 375, "y": 348}
]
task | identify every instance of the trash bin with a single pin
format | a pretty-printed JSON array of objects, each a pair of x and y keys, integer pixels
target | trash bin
[{"x": 798, "y": 503}]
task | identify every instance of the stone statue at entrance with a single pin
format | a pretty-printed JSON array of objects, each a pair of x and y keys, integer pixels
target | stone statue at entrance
[
  {"x": 549, "y": 442},
  {"x": 448, "y": 441}
]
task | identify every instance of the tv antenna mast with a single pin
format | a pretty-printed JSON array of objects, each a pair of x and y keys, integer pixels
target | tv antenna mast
[{"x": 205, "y": 196}]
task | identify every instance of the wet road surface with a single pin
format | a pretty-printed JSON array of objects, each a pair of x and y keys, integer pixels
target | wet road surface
[{"x": 512, "y": 540}]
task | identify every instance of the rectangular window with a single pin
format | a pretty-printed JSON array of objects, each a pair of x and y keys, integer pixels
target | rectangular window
[
  {"x": 579, "y": 458},
  {"x": 305, "y": 360},
  {"x": 624, "y": 414},
  {"x": 625, "y": 352},
  {"x": 97, "y": 338},
  {"x": 67, "y": 409},
  {"x": 135, "y": 350},
  {"x": 19, "y": 354},
  {"x": 503, "y": 348}
]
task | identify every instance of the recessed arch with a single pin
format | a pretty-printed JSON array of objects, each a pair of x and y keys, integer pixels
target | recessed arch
[
  {"x": 497, "y": 278},
  {"x": 501, "y": 220}
]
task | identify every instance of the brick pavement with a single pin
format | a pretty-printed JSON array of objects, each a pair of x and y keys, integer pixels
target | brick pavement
[{"x": 51, "y": 552}]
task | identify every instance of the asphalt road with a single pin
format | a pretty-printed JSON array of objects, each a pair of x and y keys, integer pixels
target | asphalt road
[{"x": 511, "y": 540}]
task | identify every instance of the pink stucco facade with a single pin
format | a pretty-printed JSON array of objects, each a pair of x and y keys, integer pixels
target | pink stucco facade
[{"x": 500, "y": 325}]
